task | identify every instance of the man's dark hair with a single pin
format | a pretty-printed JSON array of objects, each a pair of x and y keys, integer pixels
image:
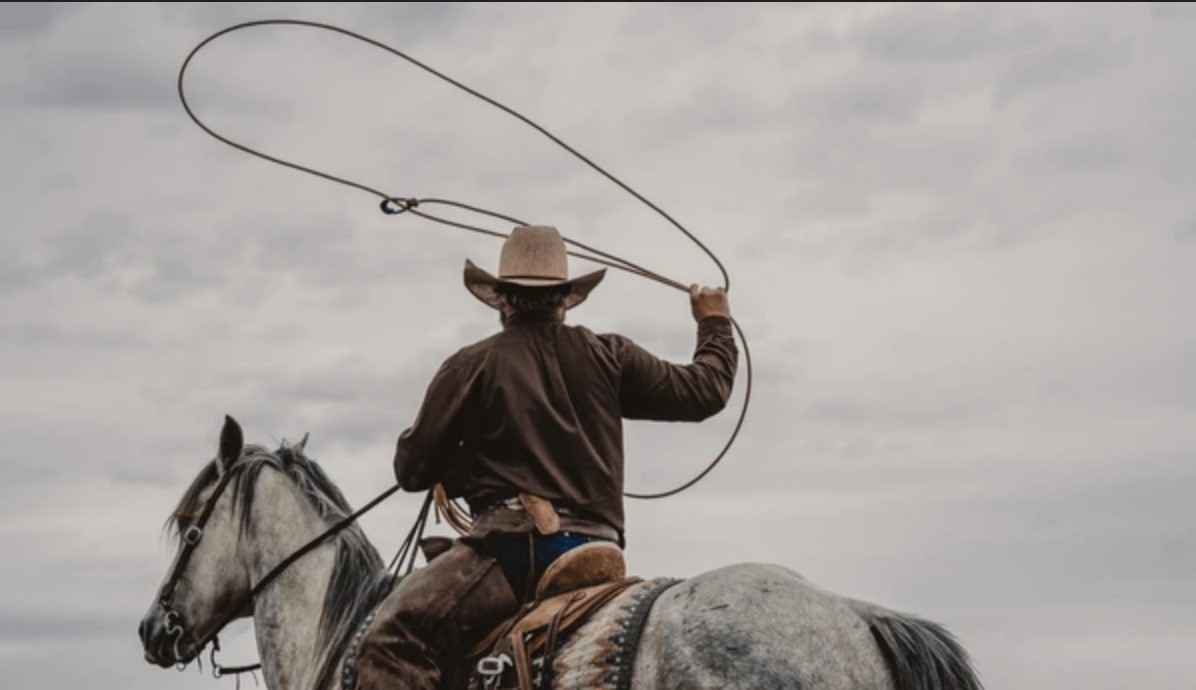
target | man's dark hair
[{"x": 524, "y": 299}]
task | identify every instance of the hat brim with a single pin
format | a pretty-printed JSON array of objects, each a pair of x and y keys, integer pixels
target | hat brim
[{"x": 485, "y": 286}]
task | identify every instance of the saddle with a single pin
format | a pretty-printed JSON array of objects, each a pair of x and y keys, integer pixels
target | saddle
[{"x": 571, "y": 589}]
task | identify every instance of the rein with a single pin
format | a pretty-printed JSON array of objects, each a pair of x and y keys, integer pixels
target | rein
[{"x": 396, "y": 205}]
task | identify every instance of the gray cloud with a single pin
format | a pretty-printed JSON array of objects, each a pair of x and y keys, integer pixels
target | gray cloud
[
  {"x": 930, "y": 35},
  {"x": 1172, "y": 11},
  {"x": 41, "y": 334},
  {"x": 22, "y": 20},
  {"x": 92, "y": 65},
  {"x": 37, "y": 626},
  {"x": 96, "y": 81},
  {"x": 1050, "y": 65}
]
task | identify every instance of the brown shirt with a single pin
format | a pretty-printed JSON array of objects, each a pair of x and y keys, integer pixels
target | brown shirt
[{"x": 538, "y": 408}]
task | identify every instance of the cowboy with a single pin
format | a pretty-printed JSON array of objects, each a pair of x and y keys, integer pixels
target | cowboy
[{"x": 526, "y": 427}]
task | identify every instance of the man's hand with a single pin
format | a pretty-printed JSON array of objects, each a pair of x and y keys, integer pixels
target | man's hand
[{"x": 708, "y": 302}]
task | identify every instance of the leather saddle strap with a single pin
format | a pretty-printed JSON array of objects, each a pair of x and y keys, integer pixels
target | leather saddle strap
[
  {"x": 523, "y": 666},
  {"x": 550, "y": 650}
]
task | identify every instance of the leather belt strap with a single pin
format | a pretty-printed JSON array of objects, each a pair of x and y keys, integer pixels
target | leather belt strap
[
  {"x": 543, "y": 512},
  {"x": 516, "y": 503},
  {"x": 548, "y": 518}
]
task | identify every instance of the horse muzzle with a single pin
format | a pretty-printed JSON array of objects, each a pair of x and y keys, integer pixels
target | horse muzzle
[{"x": 165, "y": 639}]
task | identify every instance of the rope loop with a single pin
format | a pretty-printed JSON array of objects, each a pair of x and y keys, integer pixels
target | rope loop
[{"x": 394, "y": 206}]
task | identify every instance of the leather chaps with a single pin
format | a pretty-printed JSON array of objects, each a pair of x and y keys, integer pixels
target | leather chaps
[{"x": 432, "y": 618}]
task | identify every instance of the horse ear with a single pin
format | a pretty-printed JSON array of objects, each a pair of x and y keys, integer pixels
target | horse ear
[
  {"x": 231, "y": 443},
  {"x": 302, "y": 444}
]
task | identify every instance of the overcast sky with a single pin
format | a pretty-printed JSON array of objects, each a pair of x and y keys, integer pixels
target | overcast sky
[{"x": 962, "y": 244}]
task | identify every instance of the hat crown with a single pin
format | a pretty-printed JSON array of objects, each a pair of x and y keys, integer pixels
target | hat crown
[
  {"x": 532, "y": 256},
  {"x": 534, "y": 251}
]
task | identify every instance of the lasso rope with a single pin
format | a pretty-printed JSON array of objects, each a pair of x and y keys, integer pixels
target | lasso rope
[{"x": 393, "y": 205}]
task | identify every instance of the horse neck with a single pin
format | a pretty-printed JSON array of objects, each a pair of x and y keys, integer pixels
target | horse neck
[{"x": 287, "y": 614}]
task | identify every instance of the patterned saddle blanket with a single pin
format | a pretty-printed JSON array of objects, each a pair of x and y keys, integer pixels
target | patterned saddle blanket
[{"x": 595, "y": 650}]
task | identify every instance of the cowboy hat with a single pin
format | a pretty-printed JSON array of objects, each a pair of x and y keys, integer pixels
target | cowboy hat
[{"x": 532, "y": 256}]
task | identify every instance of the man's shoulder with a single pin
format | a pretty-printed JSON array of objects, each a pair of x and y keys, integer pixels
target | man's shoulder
[{"x": 468, "y": 354}]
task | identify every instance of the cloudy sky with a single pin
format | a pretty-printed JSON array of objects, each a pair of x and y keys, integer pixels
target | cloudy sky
[{"x": 962, "y": 244}]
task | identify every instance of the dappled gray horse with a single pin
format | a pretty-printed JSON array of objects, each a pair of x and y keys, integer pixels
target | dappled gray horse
[{"x": 742, "y": 626}]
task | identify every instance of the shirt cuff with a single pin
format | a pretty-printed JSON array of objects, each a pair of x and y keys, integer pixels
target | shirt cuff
[{"x": 715, "y": 324}]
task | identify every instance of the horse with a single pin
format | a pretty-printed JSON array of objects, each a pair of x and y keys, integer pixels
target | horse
[{"x": 746, "y": 625}]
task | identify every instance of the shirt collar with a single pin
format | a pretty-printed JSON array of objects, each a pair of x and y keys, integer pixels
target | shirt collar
[{"x": 530, "y": 317}]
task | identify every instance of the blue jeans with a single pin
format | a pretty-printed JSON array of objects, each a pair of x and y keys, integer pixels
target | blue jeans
[{"x": 515, "y": 560}]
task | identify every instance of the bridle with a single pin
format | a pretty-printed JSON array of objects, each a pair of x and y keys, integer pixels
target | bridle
[
  {"x": 194, "y": 534},
  {"x": 190, "y": 539}
]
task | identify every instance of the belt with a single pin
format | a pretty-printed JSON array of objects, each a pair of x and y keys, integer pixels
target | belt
[
  {"x": 579, "y": 522},
  {"x": 516, "y": 505}
]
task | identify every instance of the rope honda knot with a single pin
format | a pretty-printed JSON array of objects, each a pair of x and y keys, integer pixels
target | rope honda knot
[{"x": 395, "y": 206}]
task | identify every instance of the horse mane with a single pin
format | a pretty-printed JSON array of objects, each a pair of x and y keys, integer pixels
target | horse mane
[{"x": 359, "y": 578}]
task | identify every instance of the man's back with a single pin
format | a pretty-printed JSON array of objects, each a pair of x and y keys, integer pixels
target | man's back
[
  {"x": 538, "y": 408},
  {"x": 534, "y": 411}
]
